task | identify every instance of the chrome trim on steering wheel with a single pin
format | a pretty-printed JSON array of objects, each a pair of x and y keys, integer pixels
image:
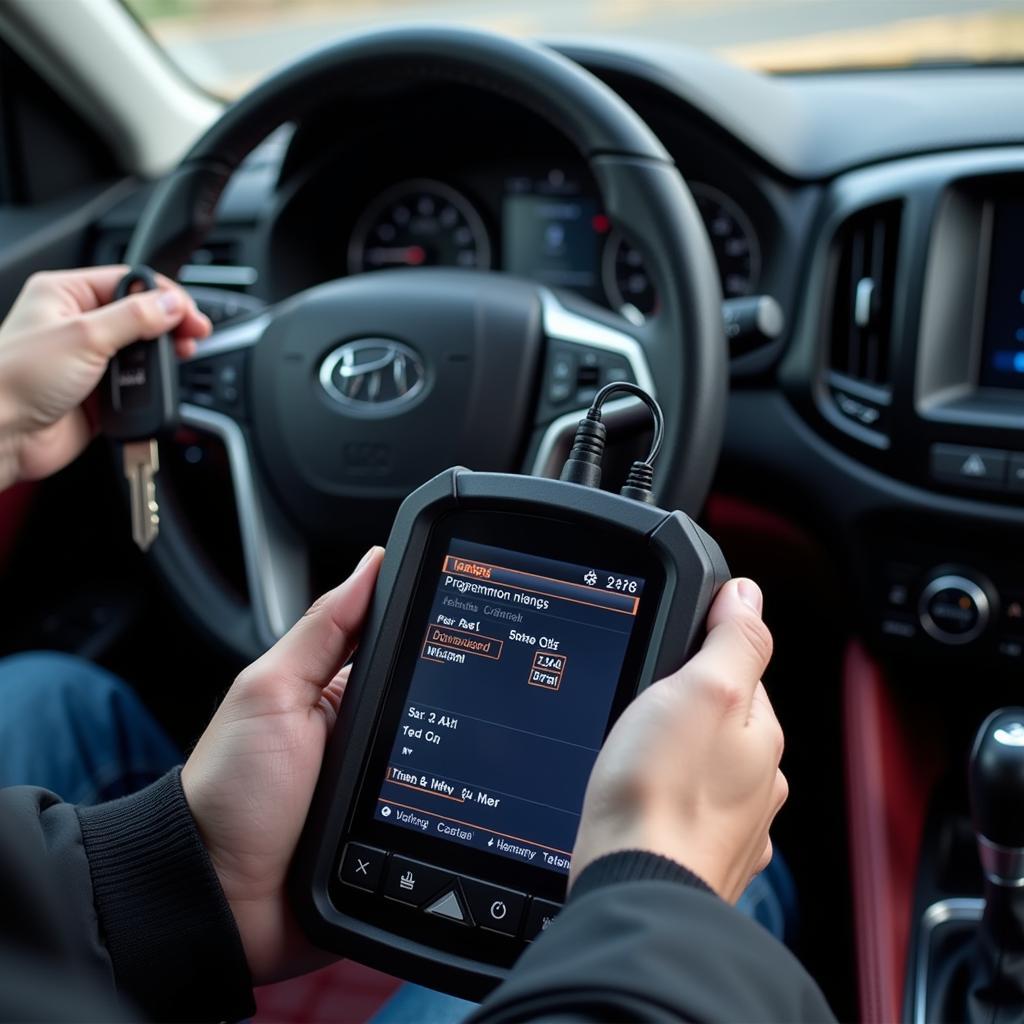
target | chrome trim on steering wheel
[
  {"x": 561, "y": 324},
  {"x": 244, "y": 334},
  {"x": 276, "y": 570}
]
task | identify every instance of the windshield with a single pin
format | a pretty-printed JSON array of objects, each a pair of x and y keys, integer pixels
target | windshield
[{"x": 226, "y": 45}]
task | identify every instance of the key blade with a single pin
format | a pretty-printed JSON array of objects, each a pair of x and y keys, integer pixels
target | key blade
[{"x": 141, "y": 463}]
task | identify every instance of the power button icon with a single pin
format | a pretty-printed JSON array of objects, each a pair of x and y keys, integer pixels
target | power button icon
[{"x": 494, "y": 908}]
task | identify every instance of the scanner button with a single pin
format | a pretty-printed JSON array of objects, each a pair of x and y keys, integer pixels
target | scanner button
[
  {"x": 411, "y": 882},
  {"x": 538, "y": 917},
  {"x": 362, "y": 866},
  {"x": 497, "y": 909},
  {"x": 449, "y": 906}
]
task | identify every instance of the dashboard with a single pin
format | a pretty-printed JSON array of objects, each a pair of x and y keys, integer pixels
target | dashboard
[{"x": 881, "y": 213}]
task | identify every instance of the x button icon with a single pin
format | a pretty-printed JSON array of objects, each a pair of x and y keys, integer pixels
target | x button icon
[{"x": 362, "y": 866}]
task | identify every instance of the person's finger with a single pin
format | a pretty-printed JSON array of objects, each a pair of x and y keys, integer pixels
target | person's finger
[
  {"x": 728, "y": 667},
  {"x": 88, "y": 288},
  {"x": 313, "y": 651},
  {"x": 194, "y": 325},
  {"x": 185, "y": 347},
  {"x": 141, "y": 316},
  {"x": 92, "y": 288}
]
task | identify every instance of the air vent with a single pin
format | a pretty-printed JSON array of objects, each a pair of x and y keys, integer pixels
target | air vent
[
  {"x": 861, "y": 323},
  {"x": 217, "y": 264}
]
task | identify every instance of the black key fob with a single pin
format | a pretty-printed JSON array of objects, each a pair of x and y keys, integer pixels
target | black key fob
[{"x": 139, "y": 392}]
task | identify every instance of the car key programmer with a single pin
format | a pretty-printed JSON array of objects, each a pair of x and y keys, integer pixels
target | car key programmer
[{"x": 514, "y": 619}]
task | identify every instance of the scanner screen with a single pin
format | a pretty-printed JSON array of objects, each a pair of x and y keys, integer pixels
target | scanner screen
[{"x": 509, "y": 701}]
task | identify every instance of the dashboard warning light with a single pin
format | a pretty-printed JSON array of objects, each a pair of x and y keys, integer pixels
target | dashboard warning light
[
  {"x": 601, "y": 223},
  {"x": 590, "y": 578}
]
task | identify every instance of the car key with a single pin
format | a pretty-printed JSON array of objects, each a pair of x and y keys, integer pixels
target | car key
[{"x": 138, "y": 402}]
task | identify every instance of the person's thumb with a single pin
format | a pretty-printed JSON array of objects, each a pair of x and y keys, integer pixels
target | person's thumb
[
  {"x": 728, "y": 667},
  {"x": 310, "y": 654},
  {"x": 144, "y": 315}
]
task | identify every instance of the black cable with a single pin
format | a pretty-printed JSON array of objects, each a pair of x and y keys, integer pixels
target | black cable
[
  {"x": 583, "y": 466},
  {"x": 637, "y": 392}
]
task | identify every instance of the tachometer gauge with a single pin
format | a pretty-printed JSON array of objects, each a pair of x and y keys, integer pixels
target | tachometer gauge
[
  {"x": 419, "y": 223},
  {"x": 733, "y": 241},
  {"x": 732, "y": 238},
  {"x": 626, "y": 282}
]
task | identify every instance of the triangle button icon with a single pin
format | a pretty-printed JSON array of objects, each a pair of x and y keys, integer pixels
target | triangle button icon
[
  {"x": 974, "y": 465},
  {"x": 448, "y": 906}
]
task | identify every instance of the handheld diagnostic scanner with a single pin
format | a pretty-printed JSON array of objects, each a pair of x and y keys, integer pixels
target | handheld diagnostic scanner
[{"x": 514, "y": 619}]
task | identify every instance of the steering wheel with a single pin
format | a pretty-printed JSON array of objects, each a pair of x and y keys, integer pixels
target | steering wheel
[{"x": 345, "y": 397}]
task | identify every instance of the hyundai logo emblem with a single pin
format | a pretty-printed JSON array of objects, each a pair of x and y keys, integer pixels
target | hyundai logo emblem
[{"x": 373, "y": 374}]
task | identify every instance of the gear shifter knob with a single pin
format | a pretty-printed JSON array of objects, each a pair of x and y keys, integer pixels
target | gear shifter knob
[{"x": 996, "y": 782}]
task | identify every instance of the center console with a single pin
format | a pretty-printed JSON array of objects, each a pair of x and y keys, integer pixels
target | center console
[
  {"x": 911, "y": 365},
  {"x": 903, "y": 419}
]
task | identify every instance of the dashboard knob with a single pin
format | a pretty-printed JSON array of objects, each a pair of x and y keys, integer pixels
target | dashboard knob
[{"x": 954, "y": 608}]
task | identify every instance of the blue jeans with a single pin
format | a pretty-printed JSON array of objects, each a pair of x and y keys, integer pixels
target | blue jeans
[{"x": 74, "y": 728}]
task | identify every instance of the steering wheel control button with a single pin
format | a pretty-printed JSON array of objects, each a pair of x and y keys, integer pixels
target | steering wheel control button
[
  {"x": 574, "y": 373},
  {"x": 495, "y": 908},
  {"x": 409, "y": 881},
  {"x": 539, "y": 916},
  {"x": 214, "y": 382},
  {"x": 450, "y": 907},
  {"x": 954, "y": 609},
  {"x": 362, "y": 866},
  {"x": 969, "y": 467}
]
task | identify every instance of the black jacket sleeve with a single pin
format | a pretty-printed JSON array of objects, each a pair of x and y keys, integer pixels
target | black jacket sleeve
[
  {"x": 123, "y": 900},
  {"x": 643, "y": 939}
]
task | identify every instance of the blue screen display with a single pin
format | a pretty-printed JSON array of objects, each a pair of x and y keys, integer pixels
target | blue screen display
[
  {"x": 1002, "y": 356},
  {"x": 508, "y": 705}
]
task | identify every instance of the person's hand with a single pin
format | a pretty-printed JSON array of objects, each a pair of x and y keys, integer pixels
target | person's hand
[
  {"x": 691, "y": 769},
  {"x": 250, "y": 779},
  {"x": 54, "y": 347}
]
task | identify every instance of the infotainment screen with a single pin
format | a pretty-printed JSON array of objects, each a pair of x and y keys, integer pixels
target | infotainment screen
[
  {"x": 517, "y": 665},
  {"x": 1002, "y": 354}
]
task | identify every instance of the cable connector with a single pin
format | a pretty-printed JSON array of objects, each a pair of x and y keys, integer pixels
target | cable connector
[
  {"x": 583, "y": 466},
  {"x": 639, "y": 484}
]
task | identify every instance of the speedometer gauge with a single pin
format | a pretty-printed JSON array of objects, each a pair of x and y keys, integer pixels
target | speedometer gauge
[
  {"x": 733, "y": 241},
  {"x": 419, "y": 223}
]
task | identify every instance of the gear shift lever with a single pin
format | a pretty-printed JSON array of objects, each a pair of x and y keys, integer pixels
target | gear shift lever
[{"x": 996, "y": 783}]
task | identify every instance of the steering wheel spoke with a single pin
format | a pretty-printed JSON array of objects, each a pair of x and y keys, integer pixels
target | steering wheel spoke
[
  {"x": 585, "y": 349},
  {"x": 215, "y": 401}
]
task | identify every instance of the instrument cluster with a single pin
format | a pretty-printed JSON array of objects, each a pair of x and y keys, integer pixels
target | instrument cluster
[{"x": 546, "y": 224}]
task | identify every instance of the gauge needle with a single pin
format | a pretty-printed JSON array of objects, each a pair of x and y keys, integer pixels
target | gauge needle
[{"x": 407, "y": 255}]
